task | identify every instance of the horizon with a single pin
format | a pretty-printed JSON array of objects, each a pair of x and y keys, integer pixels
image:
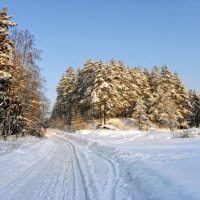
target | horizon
[{"x": 138, "y": 33}]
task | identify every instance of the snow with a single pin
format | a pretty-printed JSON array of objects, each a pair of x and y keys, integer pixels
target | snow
[
  {"x": 104, "y": 85},
  {"x": 4, "y": 75},
  {"x": 102, "y": 164}
]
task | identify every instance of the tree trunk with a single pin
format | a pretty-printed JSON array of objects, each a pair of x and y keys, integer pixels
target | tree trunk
[
  {"x": 197, "y": 122},
  {"x": 104, "y": 112},
  {"x": 100, "y": 115}
]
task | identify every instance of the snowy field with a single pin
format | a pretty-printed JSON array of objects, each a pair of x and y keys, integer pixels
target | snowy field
[{"x": 101, "y": 165}]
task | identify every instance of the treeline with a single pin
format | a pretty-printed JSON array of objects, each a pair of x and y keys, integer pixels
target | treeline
[
  {"x": 103, "y": 90},
  {"x": 22, "y": 101}
]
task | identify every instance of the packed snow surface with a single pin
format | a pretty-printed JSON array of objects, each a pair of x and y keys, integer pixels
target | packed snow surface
[{"x": 101, "y": 165}]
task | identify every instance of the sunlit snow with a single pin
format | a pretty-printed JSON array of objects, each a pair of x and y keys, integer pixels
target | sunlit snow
[{"x": 101, "y": 164}]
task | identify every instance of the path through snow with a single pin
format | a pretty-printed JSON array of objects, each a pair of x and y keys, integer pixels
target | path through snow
[{"x": 97, "y": 165}]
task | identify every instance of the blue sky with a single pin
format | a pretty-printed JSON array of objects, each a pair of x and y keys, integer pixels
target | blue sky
[{"x": 139, "y": 32}]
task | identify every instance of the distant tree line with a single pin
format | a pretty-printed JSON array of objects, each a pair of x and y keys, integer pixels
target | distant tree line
[
  {"x": 104, "y": 90},
  {"x": 22, "y": 101}
]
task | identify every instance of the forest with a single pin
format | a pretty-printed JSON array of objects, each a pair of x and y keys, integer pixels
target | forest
[
  {"x": 97, "y": 91},
  {"x": 23, "y": 104},
  {"x": 100, "y": 91}
]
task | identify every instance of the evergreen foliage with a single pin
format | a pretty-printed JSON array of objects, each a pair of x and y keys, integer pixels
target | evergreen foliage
[
  {"x": 9, "y": 108},
  {"x": 194, "y": 118},
  {"x": 103, "y": 90},
  {"x": 140, "y": 114}
]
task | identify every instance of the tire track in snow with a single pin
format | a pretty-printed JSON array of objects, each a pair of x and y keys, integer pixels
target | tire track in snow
[
  {"x": 137, "y": 179},
  {"x": 113, "y": 174},
  {"x": 77, "y": 177},
  {"x": 62, "y": 173},
  {"x": 54, "y": 171},
  {"x": 87, "y": 178},
  {"x": 112, "y": 180},
  {"x": 54, "y": 174}
]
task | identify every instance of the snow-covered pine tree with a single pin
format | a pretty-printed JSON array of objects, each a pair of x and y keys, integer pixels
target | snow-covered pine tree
[
  {"x": 97, "y": 94},
  {"x": 166, "y": 80},
  {"x": 143, "y": 84},
  {"x": 194, "y": 119},
  {"x": 123, "y": 79},
  {"x": 57, "y": 114},
  {"x": 163, "y": 111},
  {"x": 168, "y": 116},
  {"x": 105, "y": 93},
  {"x": 140, "y": 114},
  {"x": 131, "y": 90},
  {"x": 154, "y": 84},
  {"x": 6, "y": 67},
  {"x": 146, "y": 90},
  {"x": 76, "y": 93},
  {"x": 154, "y": 80},
  {"x": 87, "y": 79},
  {"x": 112, "y": 92},
  {"x": 65, "y": 99},
  {"x": 6, "y": 44},
  {"x": 181, "y": 98},
  {"x": 147, "y": 74},
  {"x": 123, "y": 85},
  {"x": 139, "y": 88},
  {"x": 116, "y": 79}
]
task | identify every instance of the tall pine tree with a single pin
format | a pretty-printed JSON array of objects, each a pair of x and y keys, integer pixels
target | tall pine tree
[{"x": 194, "y": 119}]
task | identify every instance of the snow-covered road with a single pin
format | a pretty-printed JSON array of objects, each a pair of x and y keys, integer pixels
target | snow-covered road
[{"x": 97, "y": 165}]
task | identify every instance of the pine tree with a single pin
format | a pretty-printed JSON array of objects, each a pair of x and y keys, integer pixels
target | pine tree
[
  {"x": 194, "y": 119},
  {"x": 106, "y": 94},
  {"x": 116, "y": 79},
  {"x": 154, "y": 84},
  {"x": 164, "y": 111},
  {"x": 86, "y": 82},
  {"x": 65, "y": 90},
  {"x": 181, "y": 98},
  {"x": 140, "y": 87},
  {"x": 6, "y": 44},
  {"x": 168, "y": 117},
  {"x": 97, "y": 95},
  {"x": 166, "y": 79},
  {"x": 132, "y": 90},
  {"x": 125, "y": 91},
  {"x": 140, "y": 115},
  {"x": 154, "y": 80},
  {"x": 6, "y": 68}
]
